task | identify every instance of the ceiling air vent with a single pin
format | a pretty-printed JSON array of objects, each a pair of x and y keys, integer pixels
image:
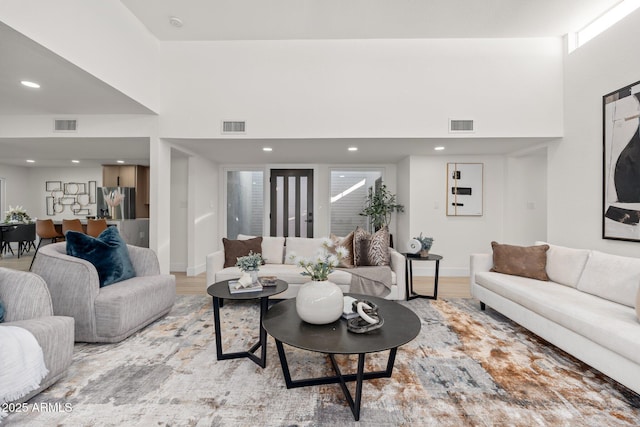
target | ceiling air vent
[
  {"x": 65, "y": 125},
  {"x": 233, "y": 127},
  {"x": 456, "y": 126}
]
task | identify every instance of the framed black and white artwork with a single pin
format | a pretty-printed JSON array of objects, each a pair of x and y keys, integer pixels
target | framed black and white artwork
[
  {"x": 464, "y": 189},
  {"x": 621, "y": 164}
]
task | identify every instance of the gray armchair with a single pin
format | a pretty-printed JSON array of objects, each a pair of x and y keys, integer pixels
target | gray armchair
[
  {"x": 111, "y": 313},
  {"x": 28, "y": 305}
]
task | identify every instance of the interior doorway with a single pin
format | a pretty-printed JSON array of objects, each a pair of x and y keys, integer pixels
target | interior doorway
[{"x": 291, "y": 202}]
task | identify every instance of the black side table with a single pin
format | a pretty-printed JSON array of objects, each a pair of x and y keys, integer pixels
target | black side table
[
  {"x": 409, "y": 275},
  {"x": 220, "y": 291}
]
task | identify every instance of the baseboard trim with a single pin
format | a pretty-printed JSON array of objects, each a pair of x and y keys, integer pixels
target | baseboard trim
[{"x": 198, "y": 269}]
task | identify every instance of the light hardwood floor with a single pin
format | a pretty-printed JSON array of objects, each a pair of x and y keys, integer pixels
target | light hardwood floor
[{"x": 448, "y": 287}]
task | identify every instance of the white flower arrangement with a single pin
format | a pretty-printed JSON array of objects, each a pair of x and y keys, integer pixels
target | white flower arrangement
[
  {"x": 323, "y": 263},
  {"x": 251, "y": 262},
  {"x": 17, "y": 214}
]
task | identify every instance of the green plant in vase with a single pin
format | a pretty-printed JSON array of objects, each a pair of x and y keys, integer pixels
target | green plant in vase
[
  {"x": 379, "y": 206},
  {"x": 426, "y": 243}
]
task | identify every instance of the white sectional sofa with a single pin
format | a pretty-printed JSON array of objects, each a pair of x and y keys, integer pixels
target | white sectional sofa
[
  {"x": 276, "y": 251},
  {"x": 586, "y": 309}
]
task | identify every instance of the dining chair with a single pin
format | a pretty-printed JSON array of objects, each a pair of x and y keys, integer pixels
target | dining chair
[
  {"x": 45, "y": 230},
  {"x": 71, "y": 224},
  {"x": 96, "y": 226}
]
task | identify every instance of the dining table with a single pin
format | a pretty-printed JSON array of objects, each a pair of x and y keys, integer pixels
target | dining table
[{"x": 24, "y": 234}]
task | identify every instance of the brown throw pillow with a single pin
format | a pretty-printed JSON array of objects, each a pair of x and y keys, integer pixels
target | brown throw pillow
[
  {"x": 371, "y": 249},
  {"x": 347, "y": 243},
  {"x": 233, "y": 249},
  {"x": 522, "y": 261}
]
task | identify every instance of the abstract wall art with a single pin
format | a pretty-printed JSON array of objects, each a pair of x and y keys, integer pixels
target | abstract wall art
[
  {"x": 464, "y": 189},
  {"x": 621, "y": 164},
  {"x": 76, "y": 197}
]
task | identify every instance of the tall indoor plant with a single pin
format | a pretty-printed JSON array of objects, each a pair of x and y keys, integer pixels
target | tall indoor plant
[{"x": 379, "y": 206}]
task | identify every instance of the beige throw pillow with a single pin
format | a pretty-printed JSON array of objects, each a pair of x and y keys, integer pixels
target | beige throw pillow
[
  {"x": 638, "y": 304},
  {"x": 347, "y": 243},
  {"x": 371, "y": 249},
  {"x": 522, "y": 261}
]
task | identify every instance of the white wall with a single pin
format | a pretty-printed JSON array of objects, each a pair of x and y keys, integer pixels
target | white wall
[
  {"x": 203, "y": 234},
  {"x": 179, "y": 215},
  {"x": 17, "y": 185},
  {"x": 362, "y": 88},
  {"x": 455, "y": 237},
  {"x": 160, "y": 201},
  {"x": 607, "y": 63},
  {"x": 403, "y": 194},
  {"x": 525, "y": 216},
  {"x": 102, "y": 37}
]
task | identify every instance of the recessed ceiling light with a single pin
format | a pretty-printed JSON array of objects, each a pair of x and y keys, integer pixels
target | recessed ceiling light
[
  {"x": 267, "y": 149},
  {"x": 75, "y": 161},
  {"x": 175, "y": 22},
  {"x": 27, "y": 83},
  {"x": 119, "y": 161},
  {"x": 439, "y": 148},
  {"x": 30, "y": 161},
  {"x": 353, "y": 148}
]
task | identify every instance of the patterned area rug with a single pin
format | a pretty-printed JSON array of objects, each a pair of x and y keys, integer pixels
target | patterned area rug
[{"x": 466, "y": 367}]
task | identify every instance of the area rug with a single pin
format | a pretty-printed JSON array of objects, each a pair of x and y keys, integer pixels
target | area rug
[{"x": 467, "y": 367}]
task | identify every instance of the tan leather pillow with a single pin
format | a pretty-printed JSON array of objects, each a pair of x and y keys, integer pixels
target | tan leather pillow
[
  {"x": 347, "y": 243},
  {"x": 522, "y": 261},
  {"x": 233, "y": 249}
]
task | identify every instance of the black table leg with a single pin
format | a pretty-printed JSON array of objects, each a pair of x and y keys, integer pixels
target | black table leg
[
  {"x": 339, "y": 378},
  {"x": 409, "y": 282},
  {"x": 262, "y": 342}
]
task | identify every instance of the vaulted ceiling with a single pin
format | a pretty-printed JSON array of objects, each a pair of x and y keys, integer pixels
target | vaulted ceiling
[{"x": 70, "y": 90}]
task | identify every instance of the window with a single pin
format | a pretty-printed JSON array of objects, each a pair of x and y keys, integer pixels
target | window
[
  {"x": 245, "y": 203},
  {"x": 349, "y": 189}
]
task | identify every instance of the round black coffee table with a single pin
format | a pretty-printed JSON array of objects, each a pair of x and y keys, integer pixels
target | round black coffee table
[
  {"x": 401, "y": 325},
  {"x": 220, "y": 291}
]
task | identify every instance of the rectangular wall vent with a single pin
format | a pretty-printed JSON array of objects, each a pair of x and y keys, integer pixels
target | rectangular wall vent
[
  {"x": 65, "y": 125},
  {"x": 461, "y": 126},
  {"x": 233, "y": 127}
]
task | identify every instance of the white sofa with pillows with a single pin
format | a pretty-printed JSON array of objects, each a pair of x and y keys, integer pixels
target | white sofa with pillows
[
  {"x": 277, "y": 250},
  {"x": 585, "y": 302}
]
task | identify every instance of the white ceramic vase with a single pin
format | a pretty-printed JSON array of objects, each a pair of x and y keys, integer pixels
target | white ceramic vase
[{"x": 319, "y": 302}]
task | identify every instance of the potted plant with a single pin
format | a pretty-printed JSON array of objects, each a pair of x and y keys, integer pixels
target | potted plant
[
  {"x": 426, "y": 243},
  {"x": 379, "y": 206},
  {"x": 249, "y": 265}
]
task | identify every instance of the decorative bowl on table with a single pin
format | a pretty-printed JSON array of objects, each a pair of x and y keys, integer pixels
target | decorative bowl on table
[{"x": 268, "y": 280}]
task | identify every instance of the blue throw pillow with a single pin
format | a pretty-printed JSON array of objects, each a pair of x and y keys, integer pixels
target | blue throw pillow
[
  {"x": 2, "y": 312},
  {"x": 107, "y": 252}
]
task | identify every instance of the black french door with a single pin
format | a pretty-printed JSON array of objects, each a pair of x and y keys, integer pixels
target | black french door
[{"x": 291, "y": 202}]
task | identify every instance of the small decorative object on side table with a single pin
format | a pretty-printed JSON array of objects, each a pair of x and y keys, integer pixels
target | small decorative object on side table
[
  {"x": 267, "y": 281},
  {"x": 425, "y": 245},
  {"x": 249, "y": 265}
]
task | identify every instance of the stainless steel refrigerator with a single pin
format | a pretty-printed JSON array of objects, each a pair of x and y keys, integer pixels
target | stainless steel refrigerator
[{"x": 116, "y": 202}]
